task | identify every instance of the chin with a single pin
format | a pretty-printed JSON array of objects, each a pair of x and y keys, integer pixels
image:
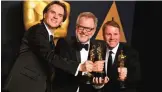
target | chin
[
  {"x": 112, "y": 46},
  {"x": 83, "y": 41},
  {"x": 54, "y": 26}
]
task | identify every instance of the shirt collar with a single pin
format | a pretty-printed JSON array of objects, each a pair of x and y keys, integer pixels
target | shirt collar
[{"x": 114, "y": 50}]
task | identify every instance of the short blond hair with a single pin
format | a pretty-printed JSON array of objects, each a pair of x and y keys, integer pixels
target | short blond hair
[{"x": 110, "y": 23}]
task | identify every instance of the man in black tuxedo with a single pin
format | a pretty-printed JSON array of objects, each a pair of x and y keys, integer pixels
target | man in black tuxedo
[
  {"x": 38, "y": 54},
  {"x": 78, "y": 49},
  {"x": 127, "y": 75}
]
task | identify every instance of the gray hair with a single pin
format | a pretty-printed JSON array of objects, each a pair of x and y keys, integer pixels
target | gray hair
[{"x": 88, "y": 15}]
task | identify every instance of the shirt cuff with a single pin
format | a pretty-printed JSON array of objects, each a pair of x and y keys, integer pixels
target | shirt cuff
[
  {"x": 76, "y": 73},
  {"x": 98, "y": 86}
]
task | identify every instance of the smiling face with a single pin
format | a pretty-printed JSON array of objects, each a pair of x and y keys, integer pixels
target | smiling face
[
  {"x": 85, "y": 29},
  {"x": 111, "y": 36},
  {"x": 54, "y": 16}
]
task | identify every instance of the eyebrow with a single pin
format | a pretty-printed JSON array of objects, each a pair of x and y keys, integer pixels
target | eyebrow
[{"x": 61, "y": 14}]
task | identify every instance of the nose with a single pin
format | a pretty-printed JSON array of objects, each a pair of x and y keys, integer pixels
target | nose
[
  {"x": 84, "y": 30},
  {"x": 111, "y": 37},
  {"x": 55, "y": 16}
]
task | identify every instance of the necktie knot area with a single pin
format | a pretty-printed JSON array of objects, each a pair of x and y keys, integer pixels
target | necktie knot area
[
  {"x": 110, "y": 52},
  {"x": 85, "y": 46},
  {"x": 52, "y": 42},
  {"x": 51, "y": 37}
]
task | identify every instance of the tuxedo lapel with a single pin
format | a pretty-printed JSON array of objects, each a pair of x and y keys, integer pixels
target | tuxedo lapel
[
  {"x": 77, "y": 52},
  {"x": 44, "y": 31},
  {"x": 89, "y": 50},
  {"x": 47, "y": 36},
  {"x": 76, "y": 49}
]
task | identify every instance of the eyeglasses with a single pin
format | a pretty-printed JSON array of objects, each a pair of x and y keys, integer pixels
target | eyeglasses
[{"x": 88, "y": 29}]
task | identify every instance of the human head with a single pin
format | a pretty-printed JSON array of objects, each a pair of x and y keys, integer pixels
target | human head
[
  {"x": 85, "y": 26},
  {"x": 54, "y": 14},
  {"x": 111, "y": 33}
]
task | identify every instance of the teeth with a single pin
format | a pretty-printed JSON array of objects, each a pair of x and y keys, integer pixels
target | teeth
[
  {"x": 53, "y": 20},
  {"x": 83, "y": 35}
]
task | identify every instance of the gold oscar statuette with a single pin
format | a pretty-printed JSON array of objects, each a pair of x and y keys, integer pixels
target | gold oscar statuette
[
  {"x": 99, "y": 54},
  {"x": 89, "y": 75},
  {"x": 92, "y": 57},
  {"x": 121, "y": 61},
  {"x": 92, "y": 53}
]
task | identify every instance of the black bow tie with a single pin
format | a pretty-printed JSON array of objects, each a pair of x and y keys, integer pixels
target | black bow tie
[{"x": 85, "y": 46}]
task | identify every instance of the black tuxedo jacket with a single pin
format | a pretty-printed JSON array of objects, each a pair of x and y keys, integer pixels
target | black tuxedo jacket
[
  {"x": 38, "y": 41},
  {"x": 133, "y": 71},
  {"x": 31, "y": 68},
  {"x": 69, "y": 49}
]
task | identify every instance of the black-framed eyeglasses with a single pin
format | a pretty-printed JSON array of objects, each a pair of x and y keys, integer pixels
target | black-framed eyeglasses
[{"x": 88, "y": 29}]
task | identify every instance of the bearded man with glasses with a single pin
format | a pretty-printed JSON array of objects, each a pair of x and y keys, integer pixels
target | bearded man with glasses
[{"x": 78, "y": 49}]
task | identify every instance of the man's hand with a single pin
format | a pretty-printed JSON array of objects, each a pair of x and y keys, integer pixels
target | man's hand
[
  {"x": 100, "y": 81},
  {"x": 86, "y": 67},
  {"x": 122, "y": 73},
  {"x": 98, "y": 66}
]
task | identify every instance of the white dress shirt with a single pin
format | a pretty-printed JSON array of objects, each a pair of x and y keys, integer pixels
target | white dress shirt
[
  {"x": 114, "y": 51},
  {"x": 84, "y": 57}
]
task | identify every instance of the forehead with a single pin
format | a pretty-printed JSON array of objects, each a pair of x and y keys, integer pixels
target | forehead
[
  {"x": 57, "y": 8},
  {"x": 87, "y": 22},
  {"x": 111, "y": 29}
]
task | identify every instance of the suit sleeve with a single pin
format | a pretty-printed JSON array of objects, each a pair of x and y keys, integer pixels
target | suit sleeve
[
  {"x": 41, "y": 46},
  {"x": 63, "y": 49}
]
